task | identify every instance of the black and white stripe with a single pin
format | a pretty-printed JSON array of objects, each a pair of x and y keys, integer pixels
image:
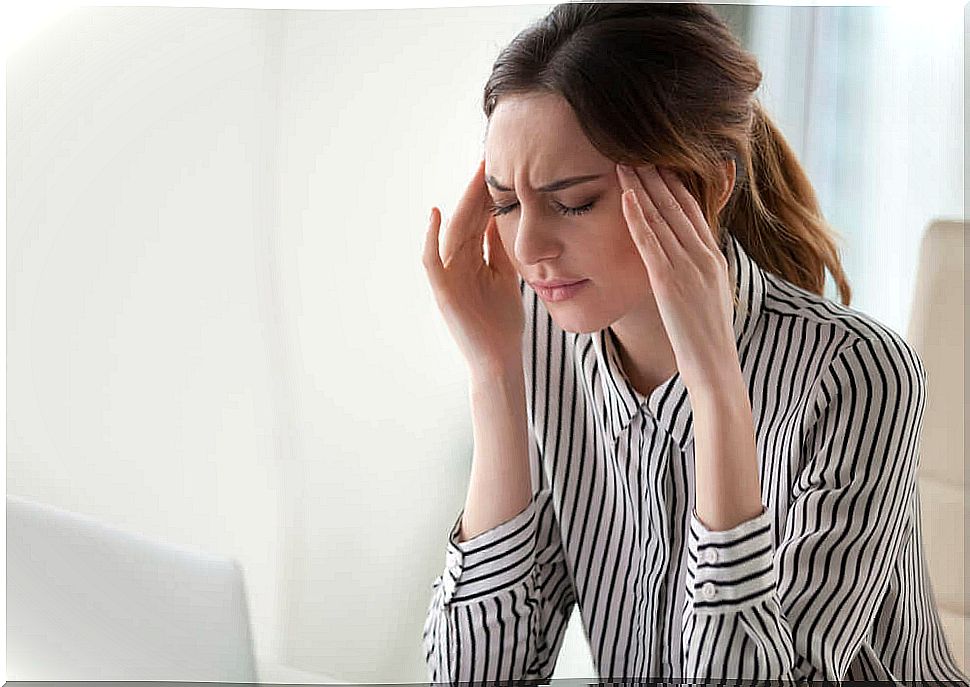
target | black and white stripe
[{"x": 811, "y": 588}]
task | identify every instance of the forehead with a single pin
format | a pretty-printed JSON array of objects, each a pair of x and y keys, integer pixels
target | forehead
[{"x": 535, "y": 139}]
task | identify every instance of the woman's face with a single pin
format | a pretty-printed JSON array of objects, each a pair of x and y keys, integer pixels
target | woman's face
[{"x": 575, "y": 232}]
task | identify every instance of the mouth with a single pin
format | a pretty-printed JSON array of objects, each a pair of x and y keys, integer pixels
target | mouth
[{"x": 560, "y": 293}]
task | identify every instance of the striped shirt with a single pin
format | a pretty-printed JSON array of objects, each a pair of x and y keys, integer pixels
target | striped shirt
[{"x": 828, "y": 582}]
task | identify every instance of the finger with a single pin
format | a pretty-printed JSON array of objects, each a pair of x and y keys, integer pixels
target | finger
[
  {"x": 431, "y": 257},
  {"x": 689, "y": 207},
  {"x": 490, "y": 253},
  {"x": 650, "y": 248},
  {"x": 467, "y": 223},
  {"x": 678, "y": 227},
  {"x": 648, "y": 219},
  {"x": 498, "y": 258}
]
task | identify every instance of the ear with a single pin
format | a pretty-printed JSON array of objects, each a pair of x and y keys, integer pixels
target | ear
[{"x": 728, "y": 179}]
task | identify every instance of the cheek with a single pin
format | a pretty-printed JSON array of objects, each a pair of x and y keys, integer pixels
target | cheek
[
  {"x": 620, "y": 244},
  {"x": 627, "y": 266}
]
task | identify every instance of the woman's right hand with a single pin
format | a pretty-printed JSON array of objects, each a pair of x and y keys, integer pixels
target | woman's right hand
[{"x": 480, "y": 300}]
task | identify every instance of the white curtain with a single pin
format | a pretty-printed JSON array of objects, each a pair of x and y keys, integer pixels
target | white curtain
[{"x": 871, "y": 99}]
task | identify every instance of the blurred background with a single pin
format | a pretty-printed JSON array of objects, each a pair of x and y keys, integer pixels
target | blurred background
[{"x": 219, "y": 329}]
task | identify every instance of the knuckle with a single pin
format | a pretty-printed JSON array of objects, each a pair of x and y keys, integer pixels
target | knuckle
[
  {"x": 716, "y": 257},
  {"x": 714, "y": 262}
]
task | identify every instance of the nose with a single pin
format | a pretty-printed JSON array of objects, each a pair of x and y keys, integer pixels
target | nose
[{"x": 536, "y": 239}]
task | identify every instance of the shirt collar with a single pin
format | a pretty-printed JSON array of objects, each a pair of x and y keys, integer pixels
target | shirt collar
[{"x": 669, "y": 404}]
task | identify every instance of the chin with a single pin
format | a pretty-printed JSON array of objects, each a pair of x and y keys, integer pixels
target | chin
[{"x": 576, "y": 322}]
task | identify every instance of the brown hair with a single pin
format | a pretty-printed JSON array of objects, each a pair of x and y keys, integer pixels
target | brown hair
[{"x": 669, "y": 83}]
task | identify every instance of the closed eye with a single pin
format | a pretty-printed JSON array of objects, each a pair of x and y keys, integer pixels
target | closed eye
[{"x": 563, "y": 209}]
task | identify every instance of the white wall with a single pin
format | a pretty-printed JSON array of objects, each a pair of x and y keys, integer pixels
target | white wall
[{"x": 140, "y": 377}]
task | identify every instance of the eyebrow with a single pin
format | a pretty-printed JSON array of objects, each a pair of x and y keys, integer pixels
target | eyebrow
[{"x": 548, "y": 188}]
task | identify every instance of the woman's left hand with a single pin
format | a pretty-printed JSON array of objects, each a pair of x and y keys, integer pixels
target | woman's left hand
[{"x": 688, "y": 273}]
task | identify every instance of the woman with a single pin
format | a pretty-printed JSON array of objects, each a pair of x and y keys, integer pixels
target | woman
[{"x": 713, "y": 460}]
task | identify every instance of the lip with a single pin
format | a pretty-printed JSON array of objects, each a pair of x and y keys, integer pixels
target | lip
[
  {"x": 560, "y": 293},
  {"x": 553, "y": 283}
]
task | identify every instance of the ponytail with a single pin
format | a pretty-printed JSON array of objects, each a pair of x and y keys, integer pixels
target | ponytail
[{"x": 775, "y": 214}]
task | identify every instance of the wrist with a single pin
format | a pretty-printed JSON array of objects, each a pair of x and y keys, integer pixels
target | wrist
[
  {"x": 496, "y": 372},
  {"x": 722, "y": 385}
]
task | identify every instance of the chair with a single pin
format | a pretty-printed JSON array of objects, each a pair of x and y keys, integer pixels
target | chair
[{"x": 936, "y": 331}]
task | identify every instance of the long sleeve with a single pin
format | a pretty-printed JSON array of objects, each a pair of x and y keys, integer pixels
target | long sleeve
[
  {"x": 500, "y": 608},
  {"x": 801, "y": 611}
]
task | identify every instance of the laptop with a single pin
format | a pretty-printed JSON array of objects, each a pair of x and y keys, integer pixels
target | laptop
[{"x": 86, "y": 601}]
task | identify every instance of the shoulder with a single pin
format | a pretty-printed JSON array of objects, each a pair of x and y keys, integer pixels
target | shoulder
[
  {"x": 847, "y": 329},
  {"x": 860, "y": 355}
]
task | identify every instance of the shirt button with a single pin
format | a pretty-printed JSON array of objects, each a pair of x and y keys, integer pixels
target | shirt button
[
  {"x": 708, "y": 590},
  {"x": 710, "y": 555}
]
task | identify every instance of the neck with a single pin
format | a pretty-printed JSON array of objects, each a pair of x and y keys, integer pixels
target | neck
[{"x": 644, "y": 349}]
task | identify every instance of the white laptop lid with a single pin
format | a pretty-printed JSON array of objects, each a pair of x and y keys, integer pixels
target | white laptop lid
[{"x": 86, "y": 601}]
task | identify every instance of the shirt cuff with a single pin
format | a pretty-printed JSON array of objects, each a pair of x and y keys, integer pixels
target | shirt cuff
[
  {"x": 731, "y": 568},
  {"x": 492, "y": 560}
]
